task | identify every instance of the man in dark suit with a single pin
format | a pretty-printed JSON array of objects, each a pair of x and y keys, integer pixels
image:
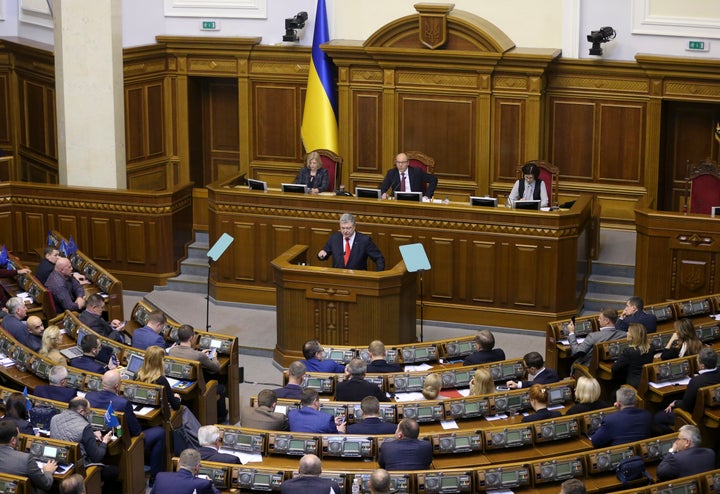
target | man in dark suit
[
  {"x": 405, "y": 178},
  {"x": 292, "y": 389},
  {"x": 378, "y": 363},
  {"x": 20, "y": 463},
  {"x": 185, "y": 480},
  {"x": 708, "y": 375},
  {"x": 56, "y": 390},
  {"x": 628, "y": 425},
  {"x": 535, "y": 366},
  {"x": 149, "y": 335},
  {"x": 634, "y": 313},
  {"x": 309, "y": 479},
  {"x": 92, "y": 318},
  {"x": 350, "y": 249},
  {"x": 407, "y": 452},
  {"x": 264, "y": 416},
  {"x": 66, "y": 290},
  {"x": 154, "y": 436},
  {"x": 90, "y": 345},
  {"x": 371, "y": 422},
  {"x": 314, "y": 361},
  {"x": 355, "y": 387},
  {"x": 686, "y": 456},
  {"x": 210, "y": 441},
  {"x": 47, "y": 265},
  {"x": 13, "y": 322},
  {"x": 486, "y": 351},
  {"x": 309, "y": 418}
]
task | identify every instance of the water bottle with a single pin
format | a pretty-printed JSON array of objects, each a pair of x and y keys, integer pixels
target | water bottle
[{"x": 356, "y": 486}]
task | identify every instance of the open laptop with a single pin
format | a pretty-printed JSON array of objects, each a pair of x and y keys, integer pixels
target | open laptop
[
  {"x": 103, "y": 355},
  {"x": 133, "y": 366}
]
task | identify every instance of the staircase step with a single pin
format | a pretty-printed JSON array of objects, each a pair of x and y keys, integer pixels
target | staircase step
[
  {"x": 186, "y": 283},
  {"x": 194, "y": 267},
  {"x": 610, "y": 269},
  {"x": 197, "y": 251},
  {"x": 202, "y": 237},
  {"x": 611, "y": 285},
  {"x": 594, "y": 302}
]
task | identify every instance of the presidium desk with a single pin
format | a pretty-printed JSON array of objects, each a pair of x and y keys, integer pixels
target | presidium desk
[{"x": 489, "y": 266}]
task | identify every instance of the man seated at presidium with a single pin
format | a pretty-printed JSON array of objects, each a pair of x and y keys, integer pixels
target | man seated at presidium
[
  {"x": 313, "y": 176},
  {"x": 405, "y": 178},
  {"x": 350, "y": 249},
  {"x": 530, "y": 187}
]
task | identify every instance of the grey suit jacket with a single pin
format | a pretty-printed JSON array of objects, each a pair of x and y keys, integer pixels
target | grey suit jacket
[
  {"x": 23, "y": 464},
  {"x": 263, "y": 418}
]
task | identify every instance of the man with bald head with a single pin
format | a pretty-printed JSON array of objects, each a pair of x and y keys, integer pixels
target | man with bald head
[
  {"x": 67, "y": 292},
  {"x": 405, "y": 178},
  {"x": 35, "y": 330},
  {"x": 154, "y": 436},
  {"x": 308, "y": 479}
]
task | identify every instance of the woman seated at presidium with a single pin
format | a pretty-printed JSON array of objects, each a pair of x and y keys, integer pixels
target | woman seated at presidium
[
  {"x": 313, "y": 176},
  {"x": 530, "y": 187}
]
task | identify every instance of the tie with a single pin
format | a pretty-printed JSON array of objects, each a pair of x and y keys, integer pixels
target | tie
[
  {"x": 402, "y": 182},
  {"x": 347, "y": 251}
]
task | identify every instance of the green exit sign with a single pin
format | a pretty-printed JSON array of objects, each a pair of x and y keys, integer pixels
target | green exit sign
[
  {"x": 697, "y": 46},
  {"x": 210, "y": 26}
]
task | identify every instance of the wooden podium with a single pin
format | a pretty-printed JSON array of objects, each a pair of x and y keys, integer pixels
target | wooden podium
[{"x": 340, "y": 306}]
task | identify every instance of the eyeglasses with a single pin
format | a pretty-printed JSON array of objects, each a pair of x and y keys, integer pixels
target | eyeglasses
[{"x": 402, "y": 162}]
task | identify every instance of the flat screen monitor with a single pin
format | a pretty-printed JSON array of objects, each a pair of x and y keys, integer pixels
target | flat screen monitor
[
  {"x": 488, "y": 202},
  {"x": 135, "y": 363},
  {"x": 368, "y": 193},
  {"x": 257, "y": 184},
  {"x": 715, "y": 211},
  {"x": 294, "y": 188},
  {"x": 533, "y": 205},
  {"x": 408, "y": 196}
]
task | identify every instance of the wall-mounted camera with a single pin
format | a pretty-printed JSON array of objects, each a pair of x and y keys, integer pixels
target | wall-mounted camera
[
  {"x": 292, "y": 24},
  {"x": 603, "y": 35}
]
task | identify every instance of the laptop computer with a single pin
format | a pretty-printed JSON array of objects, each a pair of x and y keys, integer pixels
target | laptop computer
[
  {"x": 133, "y": 366},
  {"x": 103, "y": 355}
]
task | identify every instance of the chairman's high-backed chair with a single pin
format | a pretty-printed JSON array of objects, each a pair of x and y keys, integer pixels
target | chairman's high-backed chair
[
  {"x": 421, "y": 160},
  {"x": 702, "y": 187},
  {"x": 333, "y": 164},
  {"x": 550, "y": 176}
]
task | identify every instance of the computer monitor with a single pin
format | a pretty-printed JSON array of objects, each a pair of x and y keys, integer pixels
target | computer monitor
[
  {"x": 715, "y": 211},
  {"x": 257, "y": 184},
  {"x": 135, "y": 362},
  {"x": 488, "y": 202},
  {"x": 533, "y": 204},
  {"x": 408, "y": 196},
  {"x": 293, "y": 188},
  {"x": 368, "y": 193}
]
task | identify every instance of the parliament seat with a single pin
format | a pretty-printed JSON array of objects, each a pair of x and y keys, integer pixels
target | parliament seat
[
  {"x": 14, "y": 484},
  {"x": 333, "y": 164},
  {"x": 702, "y": 187}
]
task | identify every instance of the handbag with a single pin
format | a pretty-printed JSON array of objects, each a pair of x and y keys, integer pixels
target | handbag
[{"x": 632, "y": 469}]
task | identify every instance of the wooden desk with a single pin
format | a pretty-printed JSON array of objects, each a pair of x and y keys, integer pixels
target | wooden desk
[{"x": 505, "y": 267}]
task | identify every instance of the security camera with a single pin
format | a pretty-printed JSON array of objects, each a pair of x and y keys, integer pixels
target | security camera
[
  {"x": 603, "y": 35},
  {"x": 292, "y": 24}
]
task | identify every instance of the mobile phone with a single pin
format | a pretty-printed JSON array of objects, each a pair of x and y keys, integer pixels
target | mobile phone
[
  {"x": 213, "y": 353},
  {"x": 502, "y": 388},
  {"x": 572, "y": 319},
  {"x": 114, "y": 359}
]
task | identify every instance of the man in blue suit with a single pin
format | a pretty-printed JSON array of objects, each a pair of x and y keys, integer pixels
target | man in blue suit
[
  {"x": 634, "y": 313},
  {"x": 293, "y": 390},
  {"x": 407, "y": 452},
  {"x": 149, "y": 335},
  {"x": 13, "y": 322},
  {"x": 686, "y": 456},
  {"x": 405, "y": 178},
  {"x": 154, "y": 436},
  {"x": 185, "y": 480},
  {"x": 309, "y": 418},
  {"x": 308, "y": 479},
  {"x": 535, "y": 366},
  {"x": 350, "y": 249},
  {"x": 56, "y": 390},
  {"x": 314, "y": 361},
  {"x": 91, "y": 346},
  {"x": 371, "y": 423},
  {"x": 355, "y": 387},
  {"x": 628, "y": 425}
]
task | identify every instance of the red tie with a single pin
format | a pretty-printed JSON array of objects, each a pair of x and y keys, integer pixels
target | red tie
[
  {"x": 347, "y": 250},
  {"x": 402, "y": 182}
]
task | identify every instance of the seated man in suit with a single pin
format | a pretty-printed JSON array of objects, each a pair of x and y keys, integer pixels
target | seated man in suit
[
  {"x": 407, "y": 452},
  {"x": 149, "y": 335},
  {"x": 380, "y": 481},
  {"x": 13, "y": 323},
  {"x": 355, "y": 387},
  {"x": 154, "y": 436},
  {"x": 210, "y": 441},
  {"x": 371, "y": 422},
  {"x": 314, "y": 361},
  {"x": 486, "y": 351},
  {"x": 633, "y": 312},
  {"x": 56, "y": 390},
  {"x": 20, "y": 463},
  {"x": 47, "y": 265},
  {"x": 378, "y": 364},
  {"x": 583, "y": 350},
  {"x": 350, "y": 249},
  {"x": 66, "y": 290},
  {"x": 74, "y": 484},
  {"x": 264, "y": 415},
  {"x": 573, "y": 486},
  {"x": 686, "y": 456},
  {"x": 292, "y": 389},
  {"x": 92, "y": 318},
  {"x": 309, "y": 480},
  {"x": 535, "y": 366},
  {"x": 309, "y": 418},
  {"x": 405, "y": 178},
  {"x": 628, "y": 425},
  {"x": 185, "y": 480},
  {"x": 91, "y": 346}
]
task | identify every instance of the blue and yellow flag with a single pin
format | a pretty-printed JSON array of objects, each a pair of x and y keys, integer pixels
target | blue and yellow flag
[
  {"x": 110, "y": 419},
  {"x": 320, "y": 125}
]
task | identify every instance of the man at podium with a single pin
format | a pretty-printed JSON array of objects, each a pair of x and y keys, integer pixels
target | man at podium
[{"x": 350, "y": 249}]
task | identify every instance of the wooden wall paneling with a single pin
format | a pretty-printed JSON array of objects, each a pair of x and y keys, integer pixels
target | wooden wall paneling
[
  {"x": 366, "y": 131},
  {"x": 276, "y": 122},
  {"x": 6, "y": 230},
  {"x": 508, "y": 137},
  {"x": 220, "y": 129},
  {"x": 571, "y": 138},
  {"x": 282, "y": 237},
  {"x": 67, "y": 225},
  {"x": 118, "y": 230},
  {"x": 444, "y": 269},
  {"x": 148, "y": 177},
  {"x": 101, "y": 237},
  {"x": 696, "y": 273},
  {"x": 244, "y": 252},
  {"x": 526, "y": 273},
  {"x": 32, "y": 230},
  {"x": 155, "y": 119},
  {"x": 621, "y": 143},
  {"x": 135, "y": 123},
  {"x": 6, "y": 133},
  {"x": 20, "y": 243},
  {"x": 136, "y": 242},
  {"x": 483, "y": 272}
]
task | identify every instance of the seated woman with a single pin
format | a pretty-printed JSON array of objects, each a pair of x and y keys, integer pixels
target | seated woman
[
  {"x": 153, "y": 372},
  {"x": 50, "y": 341},
  {"x": 628, "y": 367},
  {"x": 313, "y": 176},
  {"x": 587, "y": 396},
  {"x": 539, "y": 401},
  {"x": 16, "y": 410},
  {"x": 530, "y": 187},
  {"x": 683, "y": 342},
  {"x": 432, "y": 386},
  {"x": 482, "y": 383}
]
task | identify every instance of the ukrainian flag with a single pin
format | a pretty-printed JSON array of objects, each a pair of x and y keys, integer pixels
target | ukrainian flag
[{"x": 319, "y": 126}]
